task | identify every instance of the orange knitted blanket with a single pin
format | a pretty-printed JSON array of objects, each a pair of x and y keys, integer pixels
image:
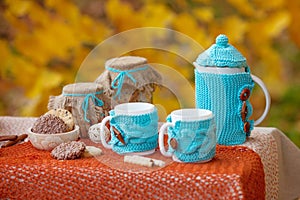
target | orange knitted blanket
[{"x": 28, "y": 173}]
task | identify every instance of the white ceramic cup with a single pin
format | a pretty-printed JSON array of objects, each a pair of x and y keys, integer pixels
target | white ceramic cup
[
  {"x": 190, "y": 114},
  {"x": 133, "y": 108},
  {"x": 229, "y": 70},
  {"x": 127, "y": 109},
  {"x": 184, "y": 115}
]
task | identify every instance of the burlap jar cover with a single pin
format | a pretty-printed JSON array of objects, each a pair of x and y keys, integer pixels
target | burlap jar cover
[
  {"x": 86, "y": 101},
  {"x": 129, "y": 79}
]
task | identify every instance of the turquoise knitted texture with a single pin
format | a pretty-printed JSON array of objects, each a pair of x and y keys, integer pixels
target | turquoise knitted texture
[
  {"x": 196, "y": 140},
  {"x": 221, "y": 93},
  {"x": 221, "y": 54},
  {"x": 140, "y": 132}
]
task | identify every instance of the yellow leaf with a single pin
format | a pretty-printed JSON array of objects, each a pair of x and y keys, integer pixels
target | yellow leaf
[
  {"x": 269, "y": 5},
  {"x": 5, "y": 66},
  {"x": 90, "y": 30},
  {"x": 4, "y": 50},
  {"x": 294, "y": 7},
  {"x": 43, "y": 44},
  {"x": 203, "y": 1},
  {"x": 155, "y": 15},
  {"x": 18, "y": 25},
  {"x": 44, "y": 81},
  {"x": 243, "y": 6},
  {"x": 24, "y": 71},
  {"x": 276, "y": 23},
  {"x": 40, "y": 91},
  {"x": 39, "y": 16},
  {"x": 186, "y": 24},
  {"x": 273, "y": 70},
  {"x": 204, "y": 14},
  {"x": 122, "y": 16},
  {"x": 29, "y": 46},
  {"x": 18, "y": 7},
  {"x": 235, "y": 27},
  {"x": 66, "y": 9}
]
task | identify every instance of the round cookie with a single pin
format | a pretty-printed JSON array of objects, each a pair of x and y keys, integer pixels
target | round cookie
[
  {"x": 68, "y": 150},
  {"x": 49, "y": 124},
  {"x": 65, "y": 115}
]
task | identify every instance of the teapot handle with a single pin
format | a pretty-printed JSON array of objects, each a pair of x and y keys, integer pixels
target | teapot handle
[{"x": 267, "y": 98}]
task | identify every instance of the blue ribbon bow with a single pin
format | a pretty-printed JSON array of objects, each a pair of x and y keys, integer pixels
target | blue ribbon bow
[
  {"x": 85, "y": 103},
  {"x": 117, "y": 83}
]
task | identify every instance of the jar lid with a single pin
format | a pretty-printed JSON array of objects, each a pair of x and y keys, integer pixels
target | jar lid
[
  {"x": 132, "y": 69},
  {"x": 222, "y": 54},
  {"x": 126, "y": 62},
  {"x": 82, "y": 88}
]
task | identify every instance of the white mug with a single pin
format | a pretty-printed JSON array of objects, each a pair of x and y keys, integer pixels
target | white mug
[
  {"x": 133, "y": 127},
  {"x": 133, "y": 108},
  {"x": 191, "y": 135}
]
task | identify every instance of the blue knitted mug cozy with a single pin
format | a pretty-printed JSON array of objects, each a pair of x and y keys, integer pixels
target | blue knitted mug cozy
[
  {"x": 196, "y": 140},
  {"x": 139, "y": 132},
  {"x": 226, "y": 95}
]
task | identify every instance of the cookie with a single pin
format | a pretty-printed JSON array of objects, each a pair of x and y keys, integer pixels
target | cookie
[
  {"x": 68, "y": 150},
  {"x": 91, "y": 151},
  {"x": 65, "y": 115},
  {"x": 49, "y": 124}
]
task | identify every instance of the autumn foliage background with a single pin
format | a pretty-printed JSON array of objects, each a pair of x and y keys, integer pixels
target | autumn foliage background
[{"x": 44, "y": 42}]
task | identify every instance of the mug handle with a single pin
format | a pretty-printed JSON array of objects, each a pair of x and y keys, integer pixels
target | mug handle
[
  {"x": 102, "y": 132},
  {"x": 162, "y": 132},
  {"x": 267, "y": 98}
]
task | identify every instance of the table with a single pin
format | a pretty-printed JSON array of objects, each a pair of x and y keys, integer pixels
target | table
[{"x": 266, "y": 166}]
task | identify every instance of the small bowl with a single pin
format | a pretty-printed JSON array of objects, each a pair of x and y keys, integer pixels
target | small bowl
[{"x": 50, "y": 141}]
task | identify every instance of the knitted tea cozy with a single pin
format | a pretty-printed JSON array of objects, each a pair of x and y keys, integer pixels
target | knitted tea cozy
[
  {"x": 224, "y": 95},
  {"x": 196, "y": 140},
  {"x": 222, "y": 54},
  {"x": 140, "y": 136}
]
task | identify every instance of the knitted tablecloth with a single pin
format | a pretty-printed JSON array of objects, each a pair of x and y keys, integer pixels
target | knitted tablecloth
[
  {"x": 263, "y": 143},
  {"x": 27, "y": 173}
]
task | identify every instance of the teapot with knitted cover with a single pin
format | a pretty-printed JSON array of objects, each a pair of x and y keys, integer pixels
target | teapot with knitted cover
[{"x": 223, "y": 84}]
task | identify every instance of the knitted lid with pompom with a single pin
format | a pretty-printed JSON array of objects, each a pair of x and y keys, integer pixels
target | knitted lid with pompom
[{"x": 222, "y": 54}]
